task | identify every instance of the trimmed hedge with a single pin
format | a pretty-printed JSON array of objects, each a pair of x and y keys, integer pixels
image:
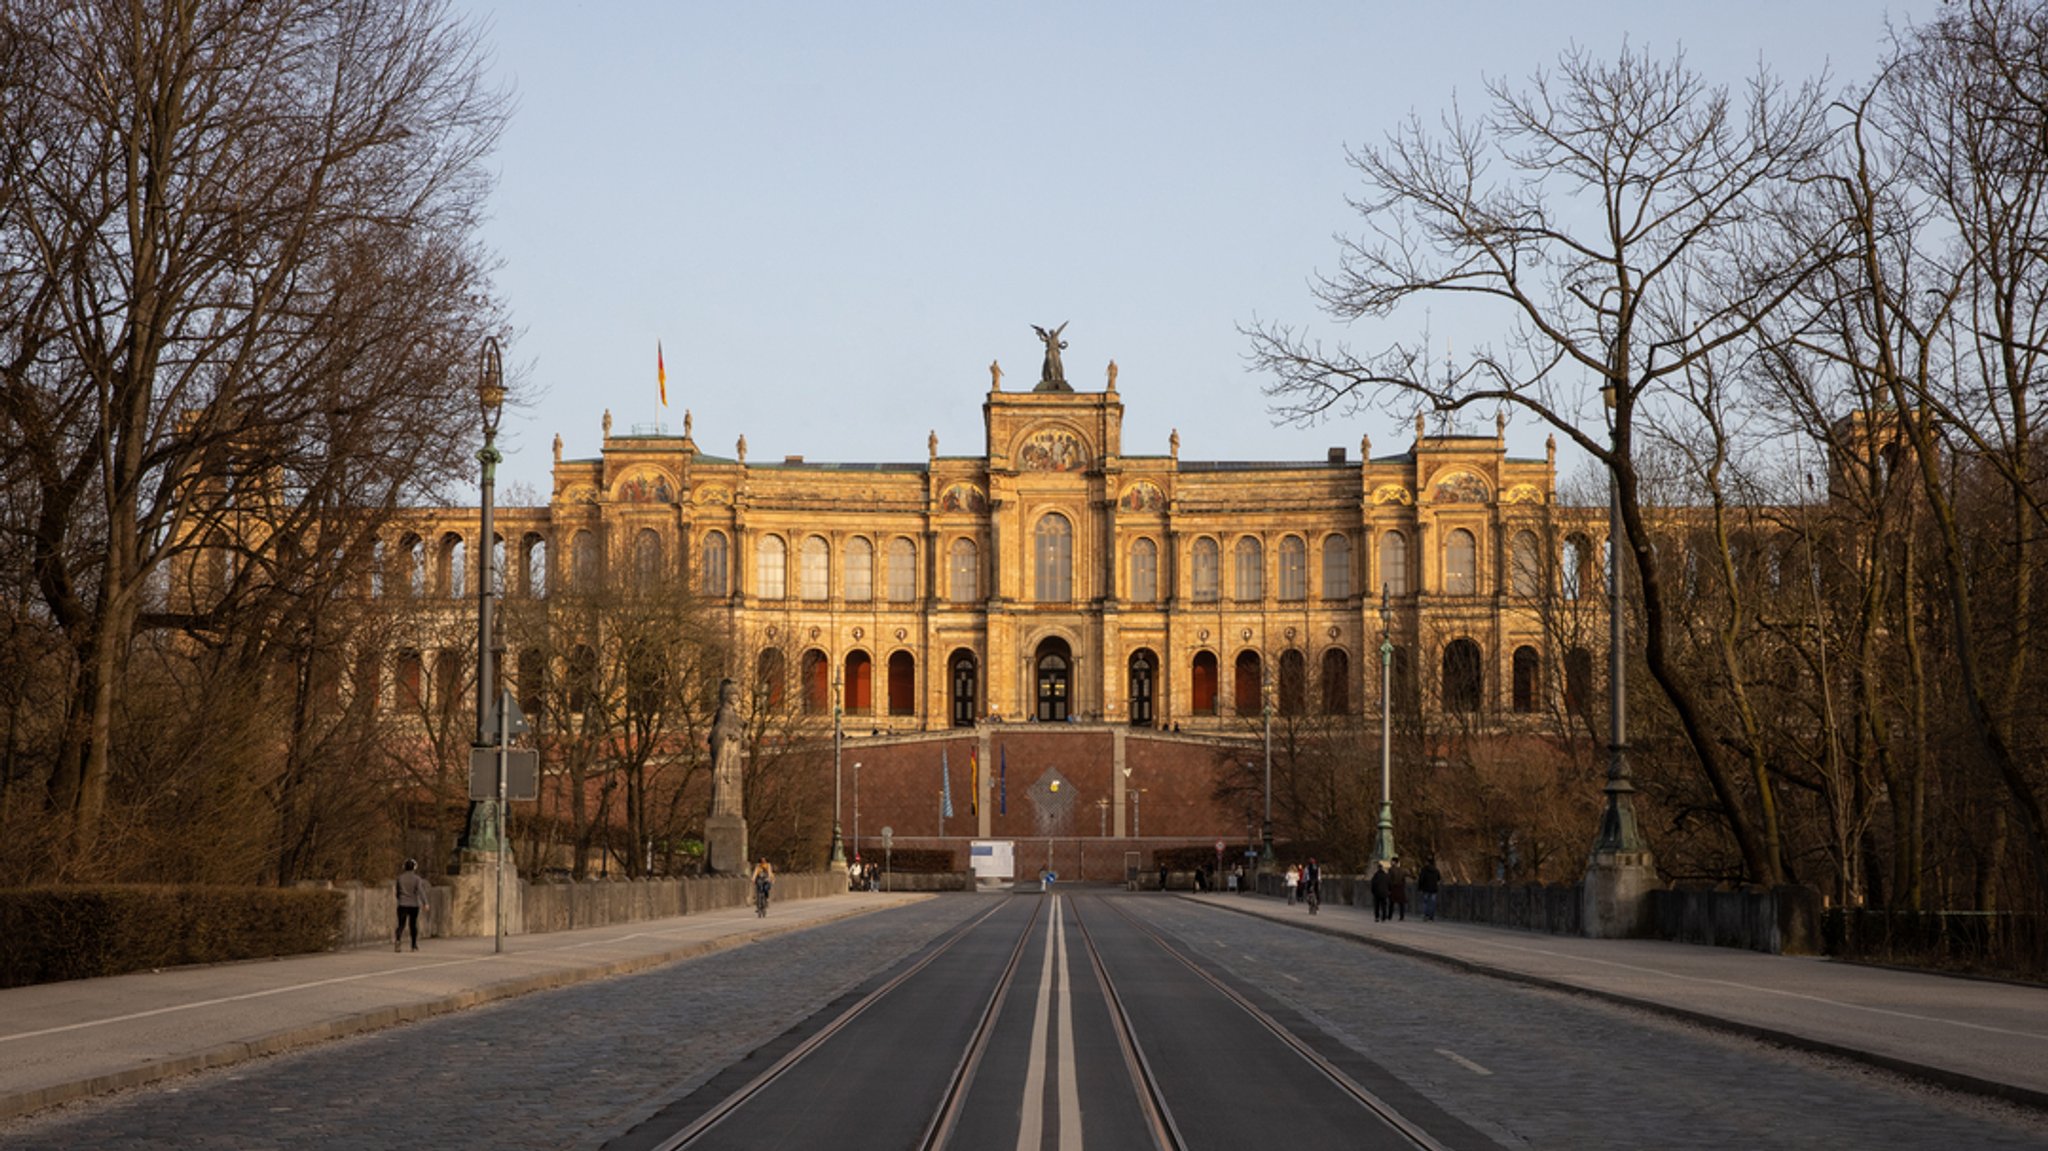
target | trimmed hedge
[{"x": 53, "y": 933}]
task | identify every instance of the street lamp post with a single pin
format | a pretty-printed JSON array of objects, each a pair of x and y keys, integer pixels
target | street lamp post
[
  {"x": 838, "y": 738},
  {"x": 1621, "y": 872},
  {"x": 1384, "y": 849},
  {"x": 487, "y": 817},
  {"x": 856, "y": 809}
]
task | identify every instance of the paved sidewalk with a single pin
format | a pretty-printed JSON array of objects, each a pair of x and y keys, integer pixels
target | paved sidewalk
[
  {"x": 1968, "y": 1034},
  {"x": 64, "y": 1041}
]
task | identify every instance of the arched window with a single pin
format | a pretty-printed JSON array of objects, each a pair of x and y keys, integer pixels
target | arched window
[
  {"x": 378, "y": 558},
  {"x": 1202, "y": 684},
  {"x": 1055, "y": 667},
  {"x": 584, "y": 569},
  {"x": 1293, "y": 683},
  {"x": 646, "y": 560},
  {"x": 1571, "y": 568},
  {"x": 963, "y": 571},
  {"x": 1202, "y": 570},
  {"x": 1336, "y": 567},
  {"x": 534, "y": 561},
  {"x": 1394, "y": 563},
  {"x": 770, "y": 567},
  {"x": 1336, "y": 681},
  {"x": 817, "y": 682},
  {"x": 858, "y": 690},
  {"x": 408, "y": 675},
  {"x": 902, "y": 570},
  {"x": 860, "y": 570},
  {"x": 1144, "y": 667},
  {"x": 1578, "y": 680},
  {"x": 1293, "y": 568},
  {"x": 1247, "y": 686},
  {"x": 902, "y": 683},
  {"x": 497, "y": 565},
  {"x": 533, "y": 666},
  {"x": 1144, "y": 571},
  {"x": 449, "y": 665},
  {"x": 814, "y": 567},
  {"x": 714, "y": 565},
  {"x": 1527, "y": 565},
  {"x": 771, "y": 674},
  {"x": 412, "y": 556},
  {"x": 1053, "y": 559},
  {"x": 582, "y": 680},
  {"x": 449, "y": 575},
  {"x": 1461, "y": 563},
  {"x": 1528, "y": 677},
  {"x": 1463, "y": 676},
  {"x": 1249, "y": 569},
  {"x": 966, "y": 687}
]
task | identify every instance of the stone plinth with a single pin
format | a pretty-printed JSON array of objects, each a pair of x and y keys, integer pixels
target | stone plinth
[
  {"x": 473, "y": 895},
  {"x": 1617, "y": 894},
  {"x": 725, "y": 844}
]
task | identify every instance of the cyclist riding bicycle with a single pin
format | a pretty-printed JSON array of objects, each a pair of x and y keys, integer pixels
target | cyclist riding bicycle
[
  {"x": 1312, "y": 885},
  {"x": 764, "y": 882}
]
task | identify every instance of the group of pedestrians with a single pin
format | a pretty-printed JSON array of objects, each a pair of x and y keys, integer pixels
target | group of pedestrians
[
  {"x": 1390, "y": 890},
  {"x": 1307, "y": 882}
]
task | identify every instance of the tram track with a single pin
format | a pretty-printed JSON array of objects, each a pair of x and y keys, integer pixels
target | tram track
[{"x": 1036, "y": 1094}]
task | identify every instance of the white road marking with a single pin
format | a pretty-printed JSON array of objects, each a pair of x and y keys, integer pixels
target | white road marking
[
  {"x": 1289, "y": 978},
  {"x": 1031, "y": 1120},
  {"x": 1461, "y": 1061},
  {"x": 1070, "y": 1089}
]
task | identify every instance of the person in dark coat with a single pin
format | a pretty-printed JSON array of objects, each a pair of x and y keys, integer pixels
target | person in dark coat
[
  {"x": 1426, "y": 885},
  {"x": 1379, "y": 891},
  {"x": 1397, "y": 890},
  {"x": 412, "y": 895}
]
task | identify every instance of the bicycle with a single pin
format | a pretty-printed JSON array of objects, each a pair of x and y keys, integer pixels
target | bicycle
[
  {"x": 1314, "y": 897},
  {"x": 761, "y": 899}
]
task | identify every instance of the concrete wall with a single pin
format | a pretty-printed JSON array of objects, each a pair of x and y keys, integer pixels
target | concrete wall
[{"x": 372, "y": 913}]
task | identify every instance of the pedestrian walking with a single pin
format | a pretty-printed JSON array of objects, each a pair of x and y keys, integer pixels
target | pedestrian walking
[
  {"x": 1379, "y": 891},
  {"x": 1162, "y": 877},
  {"x": 412, "y": 895},
  {"x": 1397, "y": 890},
  {"x": 1293, "y": 880},
  {"x": 1426, "y": 885}
]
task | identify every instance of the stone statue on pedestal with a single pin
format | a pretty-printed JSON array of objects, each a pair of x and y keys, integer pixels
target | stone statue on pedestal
[
  {"x": 725, "y": 831},
  {"x": 1052, "y": 375}
]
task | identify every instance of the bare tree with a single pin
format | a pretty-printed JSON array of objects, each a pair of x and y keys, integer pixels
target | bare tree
[
  {"x": 1607, "y": 214},
  {"x": 242, "y": 279}
]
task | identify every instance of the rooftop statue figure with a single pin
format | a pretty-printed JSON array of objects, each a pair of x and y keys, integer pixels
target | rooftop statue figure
[{"x": 1053, "y": 372}]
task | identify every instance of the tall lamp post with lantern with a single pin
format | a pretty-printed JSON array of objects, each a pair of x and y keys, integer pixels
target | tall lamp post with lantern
[{"x": 1383, "y": 849}]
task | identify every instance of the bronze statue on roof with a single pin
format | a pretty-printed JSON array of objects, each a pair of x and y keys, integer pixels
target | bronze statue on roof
[{"x": 1052, "y": 375}]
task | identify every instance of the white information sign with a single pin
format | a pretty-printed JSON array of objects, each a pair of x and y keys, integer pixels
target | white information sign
[{"x": 994, "y": 859}]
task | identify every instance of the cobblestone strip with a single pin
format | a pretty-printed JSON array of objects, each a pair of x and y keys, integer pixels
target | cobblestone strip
[
  {"x": 566, "y": 1068},
  {"x": 1539, "y": 1068}
]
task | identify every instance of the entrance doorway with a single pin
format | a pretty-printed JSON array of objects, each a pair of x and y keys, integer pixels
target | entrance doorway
[{"x": 1055, "y": 668}]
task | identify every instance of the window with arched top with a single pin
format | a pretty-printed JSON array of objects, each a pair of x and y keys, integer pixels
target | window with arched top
[
  {"x": 1202, "y": 684},
  {"x": 1144, "y": 667},
  {"x": 1293, "y": 683},
  {"x": 1336, "y": 567},
  {"x": 713, "y": 565},
  {"x": 902, "y": 570},
  {"x": 1464, "y": 676},
  {"x": 449, "y": 575},
  {"x": 1293, "y": 568},
  {"x": 1525, "y": 565},
  {"x": 533, "y": 562},
  {"x": 1248, "y": 687},
  {"x": 1527, "y": 679},
  {"x": 902, "y": 683},
  {"x": 1053, "y": 559},
  {"x": 1144, "y": 585},
  {"x": 1394, "y": 563},
  {"x": 771, "y": 571},
  {"x": 1248, "y": 569},
  {"x": 1571, "y": 567},
  {"x": 1578, "y": 680},
  {"x": 1203, "y": 562},
  {"x": 585, "y": 562},
  {"x": 814, "y": 568},
  {"x": 963, "y": 571},
  {"x": 646, "y": 559},
  {"x": 1336, "y": 681},
  {"x": 860, "y": 570},
  {"x": 771, "y": 677},
  {"x": 816, "y": 673},
  {"x": 1461, "y": 563}
]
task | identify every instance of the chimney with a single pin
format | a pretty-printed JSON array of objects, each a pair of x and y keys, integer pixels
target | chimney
[{"x": 1336, "y": 455}]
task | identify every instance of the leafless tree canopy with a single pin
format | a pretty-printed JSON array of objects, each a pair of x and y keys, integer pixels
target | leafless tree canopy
[{"x": 241, "y": 283}]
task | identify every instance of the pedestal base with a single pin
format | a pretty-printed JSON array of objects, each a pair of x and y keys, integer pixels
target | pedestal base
[
  {"x": 725, "y": 845},
  {"x": 1617, "y": 894},
  {"x": 473, "y": 897}
]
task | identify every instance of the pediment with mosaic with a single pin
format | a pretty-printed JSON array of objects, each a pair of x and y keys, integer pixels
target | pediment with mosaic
[
  {"x": 645, "y": 487},
  {"x": 1052, "y": 451},
  {"x": 1460, "y": 488},
  {"x": 1143, "y": 496},
  {"x": 1522, "y": 494},
  {"x": 963, "y": 498},
  {"x": 712, "y": 494}
]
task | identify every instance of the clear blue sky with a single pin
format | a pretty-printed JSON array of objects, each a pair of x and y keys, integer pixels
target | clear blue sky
[{"x": 834, "y": 215}]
